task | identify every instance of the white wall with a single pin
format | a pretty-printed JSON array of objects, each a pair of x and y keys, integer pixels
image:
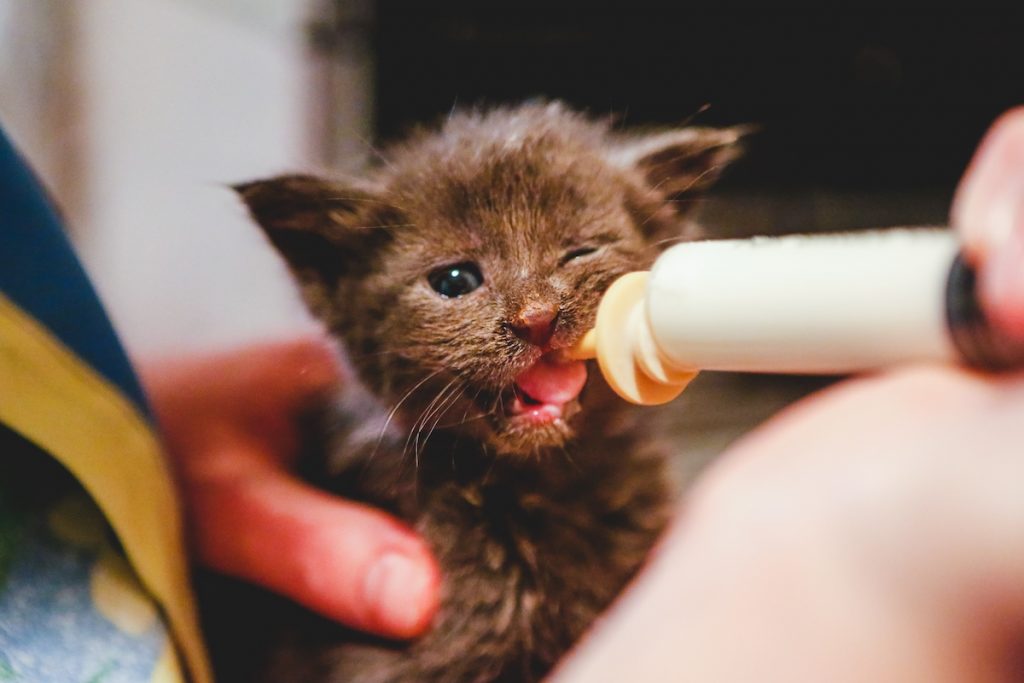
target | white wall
[
  {"x": 178, "y": 99},
  {"x": 35, "y": 105}
]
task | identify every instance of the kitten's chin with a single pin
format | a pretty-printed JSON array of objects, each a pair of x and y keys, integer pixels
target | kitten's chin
[{"x": 528, "y": 430}]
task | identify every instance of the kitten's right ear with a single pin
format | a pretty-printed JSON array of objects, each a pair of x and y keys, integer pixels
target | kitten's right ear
[
  {"x": 680, "y": 164},
  {"x": 316, "y": 224}
]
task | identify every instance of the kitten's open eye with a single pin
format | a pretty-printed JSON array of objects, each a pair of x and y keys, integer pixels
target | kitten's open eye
[
  {"x": 456, "y": 280},
  {"x": 576, "y": 253}
]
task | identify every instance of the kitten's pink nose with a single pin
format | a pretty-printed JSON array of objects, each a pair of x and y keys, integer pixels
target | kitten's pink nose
[{"x": 535, "y": 325}]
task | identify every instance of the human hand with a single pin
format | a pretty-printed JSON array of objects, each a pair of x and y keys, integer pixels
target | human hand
[
  {"x": 872, "y": 532},
  {"x": 229, "y": 426}
]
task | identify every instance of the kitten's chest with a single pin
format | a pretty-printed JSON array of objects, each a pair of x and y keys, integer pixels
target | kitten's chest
[{"x": 529, "y": 561}]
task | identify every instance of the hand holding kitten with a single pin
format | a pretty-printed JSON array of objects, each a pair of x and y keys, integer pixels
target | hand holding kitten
[{"x": 228, "y": 420}]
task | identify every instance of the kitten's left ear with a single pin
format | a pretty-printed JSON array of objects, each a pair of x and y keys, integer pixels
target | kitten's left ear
[
  {"x": 680, "y": 164},
  {"x": 315, "y": 223},
  {"x": 323, "y": 229}
]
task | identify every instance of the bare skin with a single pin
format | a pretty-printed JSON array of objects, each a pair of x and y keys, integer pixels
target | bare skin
[{"x": 873, "y": 532}]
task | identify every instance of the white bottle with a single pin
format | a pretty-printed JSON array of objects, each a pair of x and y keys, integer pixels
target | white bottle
[{"x": 823, "y": 304}]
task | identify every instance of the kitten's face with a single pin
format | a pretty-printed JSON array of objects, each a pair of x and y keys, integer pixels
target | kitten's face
[
  {"x": 474, "y": 258},
  {"x": 494, "y": 271}
]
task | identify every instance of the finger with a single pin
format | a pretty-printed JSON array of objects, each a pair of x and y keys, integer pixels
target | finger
[
  {"x": 990, "y": 195},
  {"x": 256, "y": 391},
  {"x": 269, "y": 377},
  {"x": 346, "y": 561},
  {"x": 989, "y": 213}
]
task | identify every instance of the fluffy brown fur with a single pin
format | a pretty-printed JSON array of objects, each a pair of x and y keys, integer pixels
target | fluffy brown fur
[{"x": 537, "y": 525}]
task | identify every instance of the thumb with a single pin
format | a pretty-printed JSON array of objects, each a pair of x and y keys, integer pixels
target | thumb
[
  {"x": 989, "y": 213},
  {"x": 346, "y": 561}
]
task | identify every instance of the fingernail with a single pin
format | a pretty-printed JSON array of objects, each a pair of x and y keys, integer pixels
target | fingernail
[
  {"x": 1002, "y": 278},
  {"x": 988, "y": 199},
  {"x": 1000, "y": 225},
  {"x": 399, "y": 589}
]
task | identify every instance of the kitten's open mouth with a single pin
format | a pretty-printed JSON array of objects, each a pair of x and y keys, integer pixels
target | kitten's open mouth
[{"x": 545, "y": 391}]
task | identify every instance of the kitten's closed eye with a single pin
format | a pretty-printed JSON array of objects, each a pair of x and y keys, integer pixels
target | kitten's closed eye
[
  {"x": 578, "y": 252},
  {"x": 456, "y": 280}
]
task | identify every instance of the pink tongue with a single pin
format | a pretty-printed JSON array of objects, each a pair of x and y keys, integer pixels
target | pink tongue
[{"x": 550, "y": 382}]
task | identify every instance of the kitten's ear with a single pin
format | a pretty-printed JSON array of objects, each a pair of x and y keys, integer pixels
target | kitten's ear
[
  {"x": 320, "y": 227},
  {"x": 680, "y": 164},
  {"x": 316, "y": 224}
]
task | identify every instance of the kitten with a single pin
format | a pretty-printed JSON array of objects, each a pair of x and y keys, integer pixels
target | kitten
[{"x": 453, "y": 274}]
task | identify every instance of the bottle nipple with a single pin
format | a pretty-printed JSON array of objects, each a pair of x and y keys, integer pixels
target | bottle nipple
[{"x": 626, "y": 353}]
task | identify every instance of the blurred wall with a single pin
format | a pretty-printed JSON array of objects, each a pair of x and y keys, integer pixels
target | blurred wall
[
  {"x": 37, "y": 97},
  {"x": 138, "y": 114},
  {"x": 179, "y": 99}
]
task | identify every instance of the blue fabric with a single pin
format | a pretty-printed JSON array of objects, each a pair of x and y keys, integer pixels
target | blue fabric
[
  {"x": 56, "y": 625},
  {"x": 41, "y": 274}
]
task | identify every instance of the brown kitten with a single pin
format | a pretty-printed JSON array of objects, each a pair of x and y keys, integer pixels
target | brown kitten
[{"x": 453, "y": 273}]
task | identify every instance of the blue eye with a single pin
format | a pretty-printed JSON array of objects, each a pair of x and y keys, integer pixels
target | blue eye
[{"x": 456, "y": 280}]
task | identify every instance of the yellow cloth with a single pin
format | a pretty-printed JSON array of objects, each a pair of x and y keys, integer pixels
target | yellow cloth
[{"x": 63, "y": 406}]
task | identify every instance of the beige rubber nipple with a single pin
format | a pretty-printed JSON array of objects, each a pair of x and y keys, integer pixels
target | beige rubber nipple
[{"x": 627, "y": 355}]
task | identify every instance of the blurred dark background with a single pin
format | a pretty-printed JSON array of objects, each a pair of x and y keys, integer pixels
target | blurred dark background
[{"x": 854, "y": 100}]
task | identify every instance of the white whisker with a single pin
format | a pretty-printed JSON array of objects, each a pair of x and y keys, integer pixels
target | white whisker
[
  {"x": 391, "y": 414},
  {"x": 420, "y": 422}
]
